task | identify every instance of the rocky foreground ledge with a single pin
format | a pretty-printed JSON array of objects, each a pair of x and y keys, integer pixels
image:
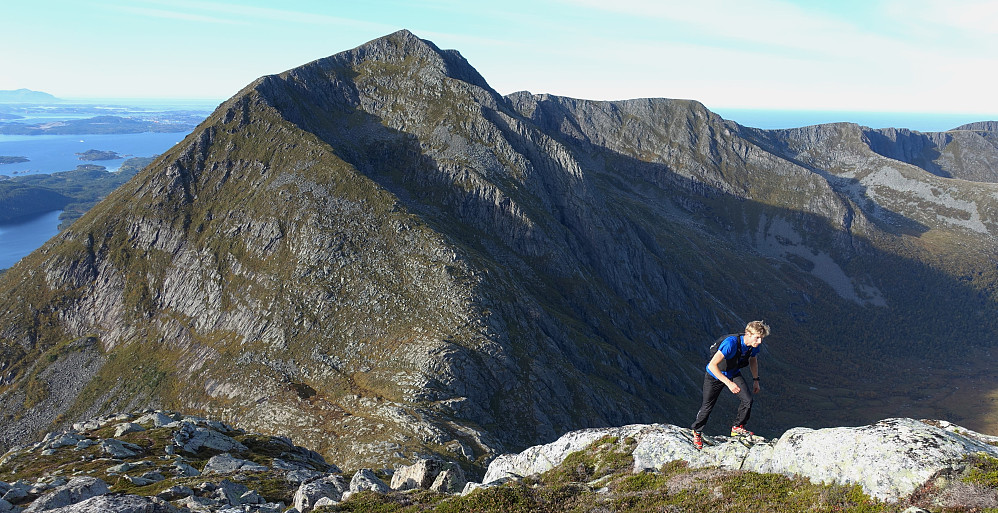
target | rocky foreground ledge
[
  {"x": 889, "y": 460},
  {"x": 156, "y": 461}
]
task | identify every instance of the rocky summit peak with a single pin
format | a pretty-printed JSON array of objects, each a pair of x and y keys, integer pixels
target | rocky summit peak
[{"x": 406, "y": 54}]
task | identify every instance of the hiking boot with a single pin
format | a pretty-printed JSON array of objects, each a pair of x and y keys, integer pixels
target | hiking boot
[
  {"x": 740, "y": 431},
  {"x": 698, "y": 440}
]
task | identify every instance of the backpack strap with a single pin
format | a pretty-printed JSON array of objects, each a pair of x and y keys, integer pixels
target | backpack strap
[
  {"x": 737, "y": 358},
  {"x": 731, "y": 363}
]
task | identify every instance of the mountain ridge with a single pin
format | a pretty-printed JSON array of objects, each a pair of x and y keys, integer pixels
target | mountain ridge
[{"x": 377, "y": 253}]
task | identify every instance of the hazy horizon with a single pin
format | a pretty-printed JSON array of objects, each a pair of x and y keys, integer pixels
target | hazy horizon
[
  {"x": 756, "y": 118},
  {"x": 851, "y": 56}
]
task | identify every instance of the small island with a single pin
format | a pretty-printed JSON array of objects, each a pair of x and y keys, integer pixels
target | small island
[
  {"x": 74, "y": 192},
  {"x": 26, "y": 96},
  {"x": 4, "y": 159},
  {"x": 99, "y": 155},
  {"x": 180, "y": 121}
]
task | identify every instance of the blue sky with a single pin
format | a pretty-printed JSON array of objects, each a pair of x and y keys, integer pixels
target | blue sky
[{"x": 847, "y": 55}]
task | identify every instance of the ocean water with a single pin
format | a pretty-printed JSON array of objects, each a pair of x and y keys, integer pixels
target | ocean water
[
  {"x": 156, "y": 104},
  {"x": 17, "y": 240},
  {"x": 54, "y": 153},
  {"x": 922, "y": 122}
]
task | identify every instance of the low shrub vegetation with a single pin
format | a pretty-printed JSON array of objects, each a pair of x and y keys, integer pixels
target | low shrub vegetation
[
  {"x": 599, "y": 479},
  {"x": 983, "y": 471}
]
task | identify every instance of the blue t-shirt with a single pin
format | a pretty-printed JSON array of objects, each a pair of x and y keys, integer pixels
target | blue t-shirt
[{"x": 728, "y": 348}]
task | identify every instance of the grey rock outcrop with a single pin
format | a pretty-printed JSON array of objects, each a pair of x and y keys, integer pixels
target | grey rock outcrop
[
  {"x": 118, "y": 503},
  {"x": 145, "y": 479},
  {"x": 889, "y": 459},
  {"x": 127, "y": 427},
  {"x": 230, "y": 493},
  {"x": 897, "y": 460},
  {"x": 62, "y": 440},
  {"x": 364, "y": 479},
  {"x": 184, "y": 469},
  {"x": 158, "y": 419},
  {"x": 332, "y": 487},
  {"x": 15, "y": 493},
  {"x": 117, "y": 449},
  {"x": 192, "y": 438},
  {"x": 226, "y": 464},
  {"x": 449, "y": 480},
  {"x": 430, "y": 474},
  {"x": 541, "y": 458},
  {"x": 175, "y": 492},
  {"x": 324, "y": 501},
  {"x": 221, "y": 487},
  {"x": 76, "y": 490}
]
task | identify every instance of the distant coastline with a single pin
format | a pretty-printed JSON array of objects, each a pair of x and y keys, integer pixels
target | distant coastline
[
  {"x": 921, "y": 122},
  {"x": 208, "y": 104},
  {"x": 757, "y": 118}
]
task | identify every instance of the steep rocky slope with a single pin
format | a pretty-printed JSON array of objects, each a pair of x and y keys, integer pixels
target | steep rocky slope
[
  {"x": 378, "y": 254},
  {"x": 969, "y": 152}
]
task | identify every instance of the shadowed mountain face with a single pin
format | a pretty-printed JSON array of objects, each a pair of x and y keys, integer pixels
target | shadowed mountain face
[{"x": 378, "y": 254}]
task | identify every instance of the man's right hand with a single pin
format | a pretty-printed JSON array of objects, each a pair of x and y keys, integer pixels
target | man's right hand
[{"x": 734, "y": 387}]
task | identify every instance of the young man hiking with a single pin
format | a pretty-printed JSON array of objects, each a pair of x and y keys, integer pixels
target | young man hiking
[{"x": 724, "y": 371}]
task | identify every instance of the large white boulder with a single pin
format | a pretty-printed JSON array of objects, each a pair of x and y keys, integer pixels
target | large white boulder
[
  {"x": 364, "y": 479},
  {"x": 541, "y": 458},
  {"x": 889, "y": 459},
  {"x": 430, "y": 474},
  {"x": 332, "y": 486}
]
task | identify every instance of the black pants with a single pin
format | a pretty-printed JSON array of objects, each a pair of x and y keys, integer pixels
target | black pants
[{"x": 712, "y": 388}]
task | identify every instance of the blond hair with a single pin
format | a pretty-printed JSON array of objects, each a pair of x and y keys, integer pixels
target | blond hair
[{"x": 758, "y": 327}]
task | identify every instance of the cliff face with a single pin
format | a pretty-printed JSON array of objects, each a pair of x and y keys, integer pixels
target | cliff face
[
  {"x": 378, "y": 254},
  {"x": 968, "y": 153}
]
